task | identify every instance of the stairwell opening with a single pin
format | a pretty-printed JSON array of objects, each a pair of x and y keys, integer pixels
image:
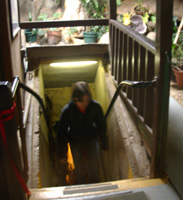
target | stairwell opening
[{"x": 126, "y": 157}]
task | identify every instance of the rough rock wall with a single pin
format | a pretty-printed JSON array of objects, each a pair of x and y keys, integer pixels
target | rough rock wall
[
  {"x": 73, "y": 12},
  {"x": 39, "y": 6},
  {"x": 49, "y": 7}
]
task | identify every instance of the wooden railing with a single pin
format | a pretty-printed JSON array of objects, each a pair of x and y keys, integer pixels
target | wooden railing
[{"x": 133, "y": 59}]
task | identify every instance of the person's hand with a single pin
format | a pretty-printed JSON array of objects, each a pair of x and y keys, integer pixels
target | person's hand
[{"x": 63, "y": 161}]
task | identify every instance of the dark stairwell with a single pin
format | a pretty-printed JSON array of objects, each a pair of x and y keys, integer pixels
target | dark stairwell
[{"x": 126, "y": 157}]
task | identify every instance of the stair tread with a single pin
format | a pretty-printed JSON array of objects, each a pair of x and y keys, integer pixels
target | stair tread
[{"x": 116, "y": 187}]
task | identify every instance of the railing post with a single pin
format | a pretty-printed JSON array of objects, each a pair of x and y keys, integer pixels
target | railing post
[
  {"x": 112, "y": 9},
  {"x": 162, "y": 70}
]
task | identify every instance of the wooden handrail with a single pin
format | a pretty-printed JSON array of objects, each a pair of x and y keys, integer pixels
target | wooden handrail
[{"x": 141, "y": 39}]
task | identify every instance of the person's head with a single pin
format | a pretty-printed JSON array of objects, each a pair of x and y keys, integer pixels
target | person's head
[{"x": 81, "y": 94}]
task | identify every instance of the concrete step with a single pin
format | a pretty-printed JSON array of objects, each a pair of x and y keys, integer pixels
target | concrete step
[{"x": 133, "y": 189}]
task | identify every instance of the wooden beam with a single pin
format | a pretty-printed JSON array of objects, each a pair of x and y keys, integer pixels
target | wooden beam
[
  {"x": 65, "y": 23},
  {"x": 112, "y": 9},
  {"x": 162, "y": 70}
]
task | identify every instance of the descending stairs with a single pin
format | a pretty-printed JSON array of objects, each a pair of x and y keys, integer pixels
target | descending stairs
[{"x": 131, "y": 189}]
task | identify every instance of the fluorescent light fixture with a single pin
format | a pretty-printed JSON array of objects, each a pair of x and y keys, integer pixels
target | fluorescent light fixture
[{"x": 77, "y": 63}]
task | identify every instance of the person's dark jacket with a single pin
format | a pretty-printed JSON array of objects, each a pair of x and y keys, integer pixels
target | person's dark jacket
[{"x": 80, "y": 128}]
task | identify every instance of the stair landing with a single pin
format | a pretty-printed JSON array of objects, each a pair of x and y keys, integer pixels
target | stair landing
[{"x": 133, "y": 189}]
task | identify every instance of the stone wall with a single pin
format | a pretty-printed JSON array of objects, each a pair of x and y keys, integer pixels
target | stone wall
[
  {"x": 73, "y": 12},
  {"x": 49, "y": 7}
]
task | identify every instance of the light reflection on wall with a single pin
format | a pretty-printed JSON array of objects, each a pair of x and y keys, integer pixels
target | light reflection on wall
[{"x": 70, "y": 169}]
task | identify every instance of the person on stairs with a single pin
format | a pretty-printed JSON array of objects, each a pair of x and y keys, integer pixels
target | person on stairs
[{"x": 83, "y": 125}]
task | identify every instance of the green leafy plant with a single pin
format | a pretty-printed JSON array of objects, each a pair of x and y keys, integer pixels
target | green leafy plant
[
  {"x": 175, "y": 24},
  {"x": 95, "y": 9},
  {"x": 177, "y": 52},
  {"x": 100, "y": 30},
  {"x": 118, "y": 2},
  {"x": 145, "y": 18},
  {"x": 139, "y": 6},
  {"x": 30, "y": 16},
  {"x": 41, "y": 32},
  {"x": 72, "y": 31},
  {"x": 44, "y": 17},
  {"x": 34, "y": 31},
  {"x": 31, "y": 34},
  {"x": 57, "y": 15},
  {"x": 53, "y": 33},
  {"x": 153, "y": 18}
]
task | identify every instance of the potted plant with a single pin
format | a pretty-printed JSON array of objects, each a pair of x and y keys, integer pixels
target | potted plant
[
  {"x": 177, "y": 58},
  {"x": 53, "y": 34},
  {"x": 72, "y": 32},
  {"x": 30, "y": 34},
  {"x": 177, "y": 63},
  {"x": 94, "y": 9},
  {"x": 140, "y": 9},
  {"x": 94, "y": 33},
  {"x": 90, "y": 35}
]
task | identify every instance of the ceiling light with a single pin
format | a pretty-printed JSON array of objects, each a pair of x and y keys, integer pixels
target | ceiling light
[{"x": 77, "y": 63}]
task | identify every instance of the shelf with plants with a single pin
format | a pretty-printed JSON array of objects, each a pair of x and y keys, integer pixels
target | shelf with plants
[
  {"x": 53, "y": 34},
  {"x": 94, "y": 10},
  {"x": 30, "y": 34}
]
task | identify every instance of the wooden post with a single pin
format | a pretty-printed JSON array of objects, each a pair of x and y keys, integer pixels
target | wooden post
[
  {"x": 112, "y": 15},
  {"x": 112, "y": 9},
  {"x": 162, "y": 71}
]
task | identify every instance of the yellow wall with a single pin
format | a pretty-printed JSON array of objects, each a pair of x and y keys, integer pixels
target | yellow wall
[
  {"x": 101, "y": 88},
  {"x": 115, "y": 160}
]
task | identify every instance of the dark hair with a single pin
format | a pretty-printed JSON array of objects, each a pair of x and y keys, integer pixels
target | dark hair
[{"x": 80, "y": 89}]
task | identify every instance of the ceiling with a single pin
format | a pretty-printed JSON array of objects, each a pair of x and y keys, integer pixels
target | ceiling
[{"x": 57, "y": 77}]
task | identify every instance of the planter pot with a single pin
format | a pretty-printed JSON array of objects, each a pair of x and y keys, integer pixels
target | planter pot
[
  {"x": 179, "y": 77},
  {"x": 90, "y": 37},
  {"x": 53, "y": 37},
  {"x": 29, "y": 36},
  {"x": 141, "y": 11}
]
